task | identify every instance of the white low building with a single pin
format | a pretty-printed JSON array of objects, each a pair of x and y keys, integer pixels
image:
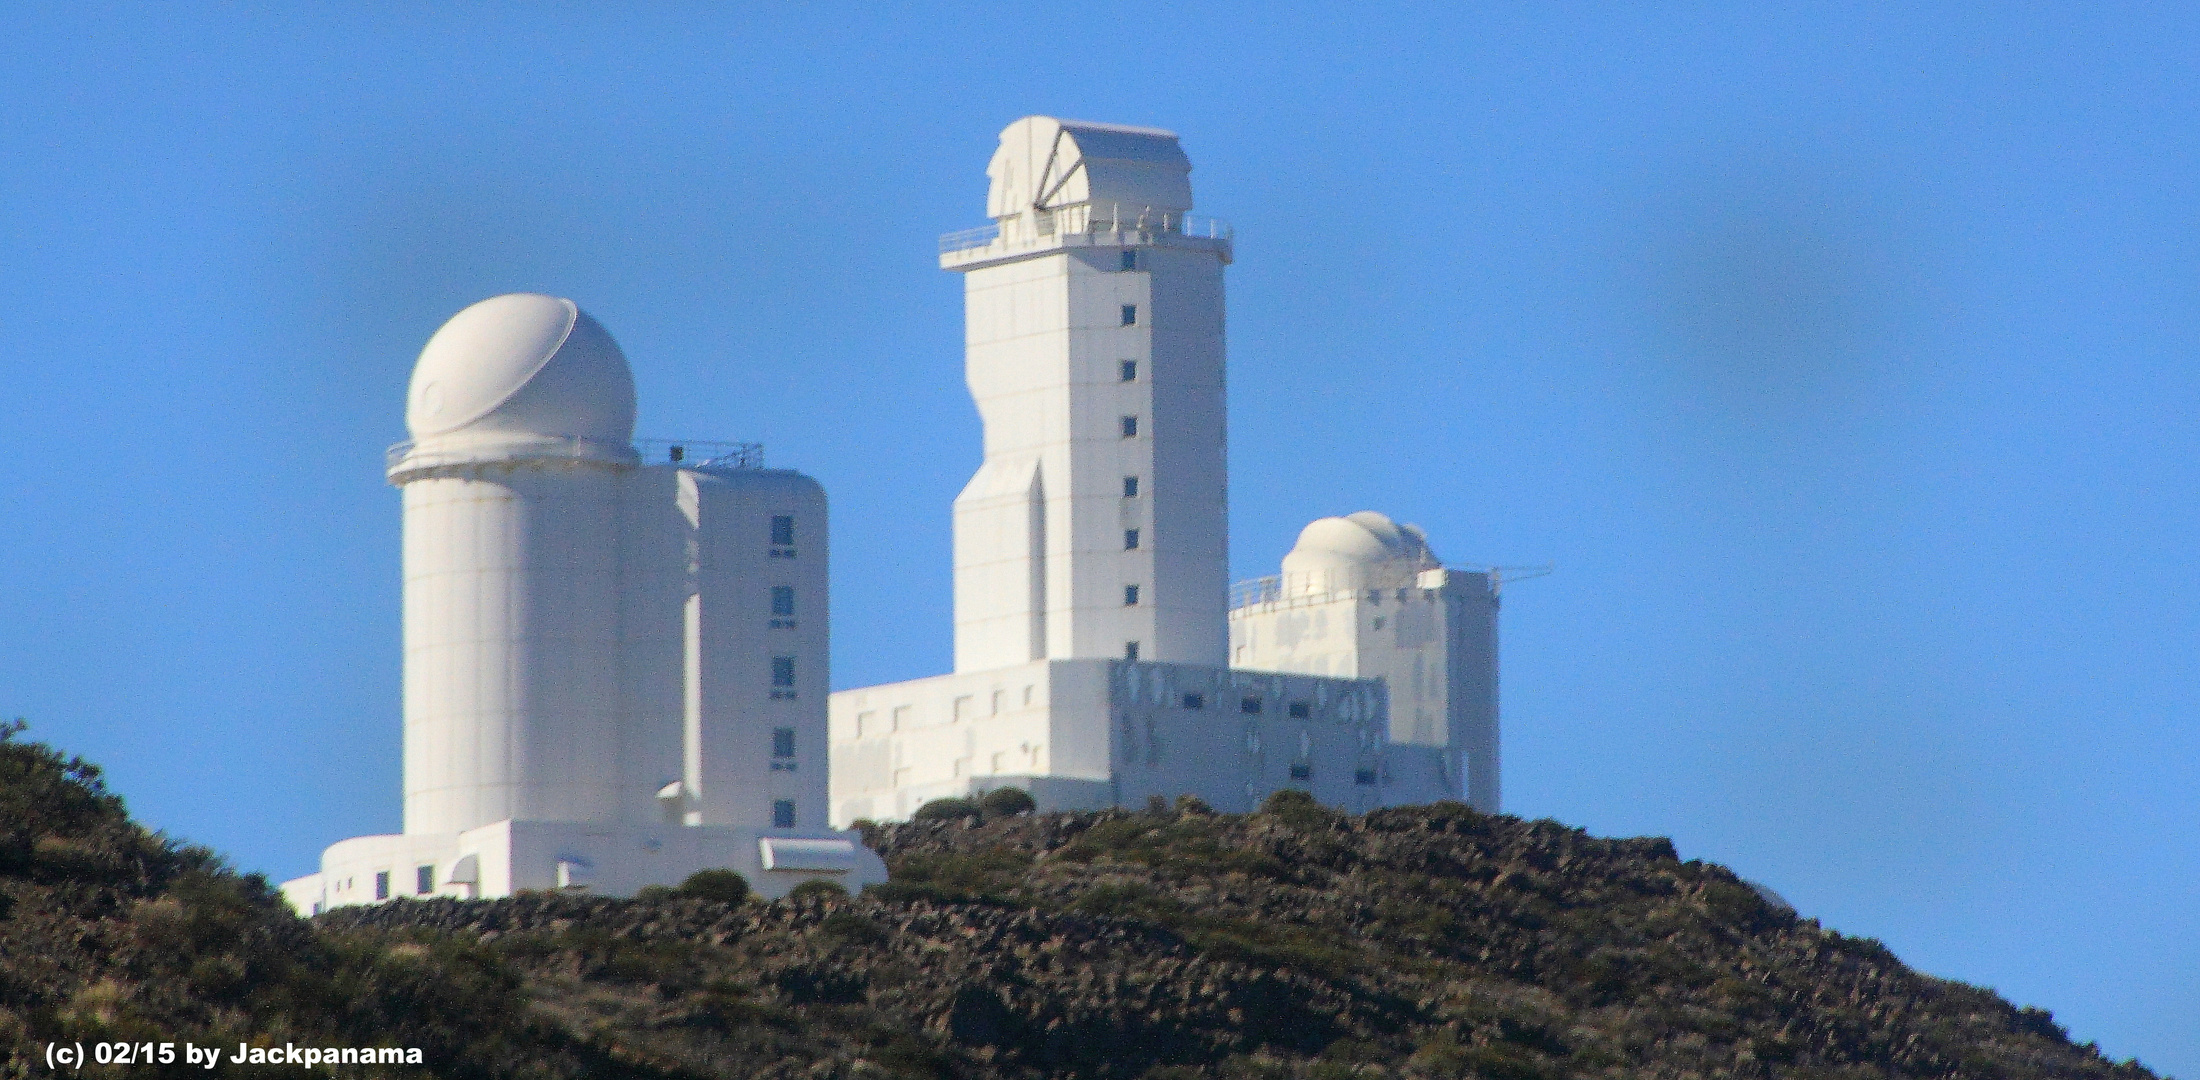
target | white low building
[
  {"x": 1087, "y": 734},
  {"x": 615, "y": 668},
  {"x": 1093, "y": 662}
]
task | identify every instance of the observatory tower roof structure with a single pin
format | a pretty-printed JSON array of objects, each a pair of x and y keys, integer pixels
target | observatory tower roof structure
[
  {"x": 1361, "y": 540},
  {"x": 518, "y": 375},
  {"x": 522, "y": 363},
  {"x": 1046, "y": 164}
]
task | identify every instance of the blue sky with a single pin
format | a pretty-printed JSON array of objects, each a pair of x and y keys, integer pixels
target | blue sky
[{"x": 1841, "y": 359}]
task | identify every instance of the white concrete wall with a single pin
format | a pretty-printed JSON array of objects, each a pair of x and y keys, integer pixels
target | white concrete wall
[
  {"x": 1471, "y": 641},
  {"x": 733, "y": 773},
  {"x": 511, "y": 621},
  {"x": 1112, "y": 733},
  {"x": 1235, "y": 737},
  {"x": 579, "y": 636},
  {"x": 657, "y": 578},
  {"x": 898, "y": 746}
]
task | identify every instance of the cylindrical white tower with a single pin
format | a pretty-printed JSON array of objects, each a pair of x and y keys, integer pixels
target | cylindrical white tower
[{"x": 521, "y": 411}]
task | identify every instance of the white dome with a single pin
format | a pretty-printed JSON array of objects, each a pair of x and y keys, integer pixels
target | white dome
[
  {"x": 522, "y": 364},
  {"x": 1362, "y": 540}
]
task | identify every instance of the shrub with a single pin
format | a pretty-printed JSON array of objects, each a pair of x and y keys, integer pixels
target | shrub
[
  {"x": 850, "y": 928},
  {"x": 987, "y": 875},
  {"x": 1007, "y": 802},
  {"x": 1295, "y": 808},
  {"x": 946, "y": 810},
  {"x": 818, "y": 889},
  {"x": 723, "y": 886}
]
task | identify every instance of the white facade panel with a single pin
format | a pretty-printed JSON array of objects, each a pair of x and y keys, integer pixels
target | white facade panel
[
  {"x": 761, "y": 742},
  {"x": 511, "y": 620},
  {"x": 1044, "y": 547}
]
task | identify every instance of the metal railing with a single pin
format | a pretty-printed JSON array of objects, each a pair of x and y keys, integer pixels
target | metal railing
[
  {"x": 982, "y": 236},
  {"x": 1142, "y": 224},
  {"x": 701, "y": 454},
  {"x": 1291, "y": 590}
]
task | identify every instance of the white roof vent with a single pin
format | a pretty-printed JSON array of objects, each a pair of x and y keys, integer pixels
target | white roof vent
[{"x": 809, "y": 856}]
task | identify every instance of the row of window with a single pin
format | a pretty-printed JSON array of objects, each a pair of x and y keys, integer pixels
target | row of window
[
  {"x": 1304, "y": 771},
  {"x": 1252, "y": 706},
  {"x": 423, "y": 882},
  {"x": 964, "y": 707}
]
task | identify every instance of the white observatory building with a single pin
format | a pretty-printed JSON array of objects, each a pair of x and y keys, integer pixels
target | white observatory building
[
  {"x": 1098, "y": 658},
  {"x": 1363, "y": 596},
  {"x": 615, "y": 670}
]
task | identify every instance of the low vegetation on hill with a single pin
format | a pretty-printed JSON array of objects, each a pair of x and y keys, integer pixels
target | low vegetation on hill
[{"x": 1164, "y": 944}]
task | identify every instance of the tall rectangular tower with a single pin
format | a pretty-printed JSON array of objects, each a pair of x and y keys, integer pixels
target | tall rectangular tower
[
  {"x": 1091, "y": 553},
  {"x": 1097, "y": 526}
]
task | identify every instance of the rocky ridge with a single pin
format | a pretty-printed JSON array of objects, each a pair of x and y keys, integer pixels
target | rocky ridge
[{"x": 1162, "y": 944}]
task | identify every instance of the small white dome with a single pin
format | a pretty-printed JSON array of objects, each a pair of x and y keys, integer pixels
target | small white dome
[
  {"x": 1364, "y": 539},
  {"x": 522, "y": 363}
]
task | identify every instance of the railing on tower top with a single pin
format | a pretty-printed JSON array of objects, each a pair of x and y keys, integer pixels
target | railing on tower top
[
  {"x": 1292, "y": 590},
  {"x": 701, "y": 454},
  {"x": 1138, "y": 224}
]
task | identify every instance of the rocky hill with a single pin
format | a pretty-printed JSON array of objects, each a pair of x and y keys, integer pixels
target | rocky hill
[{"x": 1163, "y": 944}]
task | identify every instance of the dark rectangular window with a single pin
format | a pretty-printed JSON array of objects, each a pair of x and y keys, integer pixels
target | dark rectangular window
[
  {"x": 1130, "y": 487},
  {"x": 1130, "y": 539},
  {"x": 1130, "y": 595},
  {"x": 782, "y": 530},
  {"x": 1130, "y": 650},
  {"x": 783, "y": 742},
  {"x": 783, "y": 813},
  {"x": 782, "y": 671},
  {"x": 1130, "y": 314},
  {"x": 1130, "y": 260},
  {"x": 1302, "y": 772},
  {"x": 1363, "y": 776},
  {"x": 424, "y": 880},
  {"x": 382, "y": 885},
  {"x": 1130, "y": 371},
  {"x": 1195, "y": 701},
  {"x": 1130, "y": 427},
  {"x": 1300, "y": 710},
  {"x": 782, "y": 599},
  {"x": 1250, "y": 705}
]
